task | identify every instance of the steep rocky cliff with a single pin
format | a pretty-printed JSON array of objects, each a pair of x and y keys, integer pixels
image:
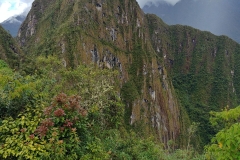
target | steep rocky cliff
[
  {"x": 113, "y": 35},
  {"x": 203, "y": 69},
  {"x": 166, "y": 73},
  {"x": 9, "y": 49}
]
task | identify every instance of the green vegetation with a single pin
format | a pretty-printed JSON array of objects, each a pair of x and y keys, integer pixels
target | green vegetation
[
  {"x": 9, "y": 50},
  {"x": 202, "y": 75},
  {"x": 86, "y": 123},
  {"x": 225, "y": 145},
  {"x": 65, "y": 127},
  {"x": 89, "y": 69},
  {"x": 203, "y": 69}
]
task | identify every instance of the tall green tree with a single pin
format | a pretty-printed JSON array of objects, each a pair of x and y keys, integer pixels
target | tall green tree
[{"x": 226, "y": 143}]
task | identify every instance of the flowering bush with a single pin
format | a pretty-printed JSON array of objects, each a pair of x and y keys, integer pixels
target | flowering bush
[
  {"x": 56, "y": 132},
  {"x": 70, "y": 126},
  {"x": 64, "y": 122}
]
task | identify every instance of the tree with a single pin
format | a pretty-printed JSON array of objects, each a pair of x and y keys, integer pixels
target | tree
[
  {"x": 226, "y": 143},
  {"x": 64, "y": 128}
]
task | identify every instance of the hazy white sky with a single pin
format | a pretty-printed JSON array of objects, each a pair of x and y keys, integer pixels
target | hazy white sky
[
  {"x": 143, "y": 2},
  {"x": 9, "y": 8}
]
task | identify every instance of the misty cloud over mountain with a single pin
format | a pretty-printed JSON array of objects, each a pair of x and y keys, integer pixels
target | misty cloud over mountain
[
  {"x": 142, "y": 3},
  {"x": 10, "y": 8},
  {"x": 221, "y": 17},
  {"x": 12, "y": 24}
]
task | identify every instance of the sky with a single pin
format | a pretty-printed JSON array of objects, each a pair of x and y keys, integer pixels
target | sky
[
  {"x": 144, "y": 2},
  {"x": 9, "y": 8}
]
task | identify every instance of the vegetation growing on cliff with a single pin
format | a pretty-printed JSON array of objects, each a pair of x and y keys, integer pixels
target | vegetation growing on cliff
[
  {"x": 202, "y": 68},
  {"x": 60, "y": 113},
  {"x": 116, "y": 84},
  {"x": 9, "y": 50}
]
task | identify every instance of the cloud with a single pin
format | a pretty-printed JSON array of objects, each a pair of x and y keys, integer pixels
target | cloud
[
  {"x": 144, "y": 2},
  {"x": 9, "y": 8}
]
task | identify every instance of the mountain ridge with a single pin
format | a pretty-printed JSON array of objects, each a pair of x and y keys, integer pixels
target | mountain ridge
[
  {"x": 112, "y": 36},
  {"x": 162, "y": 69},
  {"x": 197, "y": 61},
  {"x": 13, "y": 24},
  {"x": 219, "y": 18}
]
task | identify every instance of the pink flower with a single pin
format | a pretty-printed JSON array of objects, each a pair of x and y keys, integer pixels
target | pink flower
[
  {"x": 48, "y": 123},
  {"x": 47, "y": 111},
  {"x": 68, "y": 123},
  {"x": 31, "y": 136},
  {"x": 59, "y": 112},
  {"x": 61, "y": 98},
  {"x": 42, "y": 131}
]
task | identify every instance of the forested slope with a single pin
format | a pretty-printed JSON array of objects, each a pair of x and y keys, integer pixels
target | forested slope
[
  {"x": 9, "y": 49},
  {"x": 149, "y": 55},
  {"x": 203, "y": 68},
  {"x": 116, "y": 70}
]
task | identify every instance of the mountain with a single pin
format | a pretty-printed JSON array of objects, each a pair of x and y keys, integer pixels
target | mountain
[
  {"x": 220, "y": 18},
  {"x": 13, "y": 24},
  {"x": 9, "y": 49},
  {"x": 169, "y": 76},
  {"x": 112, "y": 35},
  {"x": 203, "y": 69}
]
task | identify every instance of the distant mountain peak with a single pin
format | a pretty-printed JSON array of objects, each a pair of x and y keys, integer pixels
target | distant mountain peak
[
  {"x": 220, "y": 18},
  {"x": 17, "y": 18},
  {"x": 13, "y": 24}
]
